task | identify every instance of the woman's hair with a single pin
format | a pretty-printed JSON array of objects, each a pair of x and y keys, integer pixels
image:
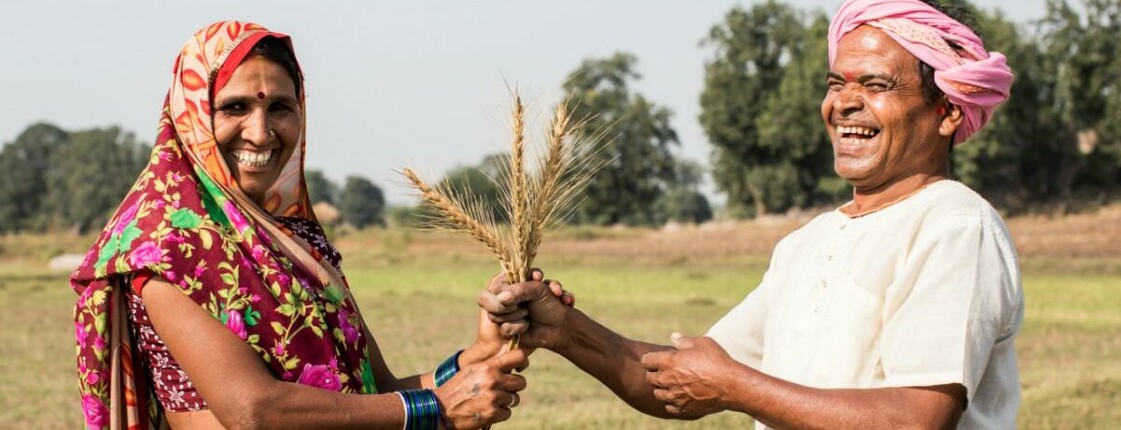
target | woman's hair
[{"x": 275, "y": 50}]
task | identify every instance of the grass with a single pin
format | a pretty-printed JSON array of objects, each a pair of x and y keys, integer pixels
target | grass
[{"x": 417, "y": 292}]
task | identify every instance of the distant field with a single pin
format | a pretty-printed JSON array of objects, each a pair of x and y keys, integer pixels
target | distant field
[{"x": 417, "y": 290}]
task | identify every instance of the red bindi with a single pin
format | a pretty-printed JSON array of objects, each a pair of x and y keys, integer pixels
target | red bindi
[
  {"x": 849, "y": 77},
  {"x": 261, "y": 95}
]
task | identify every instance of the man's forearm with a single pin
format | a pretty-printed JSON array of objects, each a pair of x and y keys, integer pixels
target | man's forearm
[
  {"x": 614, "y": 360},
  {"x": 782, "y": 404}
]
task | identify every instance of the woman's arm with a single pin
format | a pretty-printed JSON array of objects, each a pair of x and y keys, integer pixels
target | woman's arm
[{"x": 241, "y": 393}]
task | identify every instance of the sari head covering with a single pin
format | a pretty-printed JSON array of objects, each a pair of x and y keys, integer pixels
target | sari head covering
[
  {"x": 187, "y": 221},
  {"x": 973, "y": 79}
]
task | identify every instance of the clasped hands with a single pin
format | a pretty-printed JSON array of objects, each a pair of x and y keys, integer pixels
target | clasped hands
[{"x": 689, "y": 377}]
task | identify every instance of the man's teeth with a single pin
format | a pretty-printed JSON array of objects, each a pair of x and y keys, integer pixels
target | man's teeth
[
  {"x": 252, "y": 159},
  {"x": 863, "y": 131}
]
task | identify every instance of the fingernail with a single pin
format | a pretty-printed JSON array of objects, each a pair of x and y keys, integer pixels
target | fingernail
[
  {"x": 675, "y": 337},
  {"x": 505, "y": 296}
]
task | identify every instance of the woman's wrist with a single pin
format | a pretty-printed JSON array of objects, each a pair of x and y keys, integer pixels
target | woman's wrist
[
  {"x": 476, "y": 353},
  {"x": 447, "y": 369},
  {"x": 422, "y": 410}
]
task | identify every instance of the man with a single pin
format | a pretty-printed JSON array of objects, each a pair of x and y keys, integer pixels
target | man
[{"x": 898, "y": 309}]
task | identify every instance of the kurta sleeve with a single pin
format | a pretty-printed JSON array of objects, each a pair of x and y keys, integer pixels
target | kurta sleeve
[
  {"x": 957, "y": 296},
  {"x": 740, "y": 331}
]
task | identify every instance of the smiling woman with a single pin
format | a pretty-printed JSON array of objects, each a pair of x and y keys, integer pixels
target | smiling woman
[
  {"x": 257, "y": 124},
  {"x": 215, "y": 299}
]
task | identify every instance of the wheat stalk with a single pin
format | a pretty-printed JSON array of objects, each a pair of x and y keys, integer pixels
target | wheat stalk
[
  {"x": 532, "y": 204},
  {"x": 518, "y": 183},
  {"x": 457, "y": 212}
]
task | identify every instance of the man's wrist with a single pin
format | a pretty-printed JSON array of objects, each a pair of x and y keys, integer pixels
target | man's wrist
[
  {"x": 563, "y": 339},
  {"x": 739, "y": 381}
]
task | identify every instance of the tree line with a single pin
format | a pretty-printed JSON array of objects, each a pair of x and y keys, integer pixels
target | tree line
[
  {"x": 1054, "y": 144},
  {"x": 53, "y": 179}
]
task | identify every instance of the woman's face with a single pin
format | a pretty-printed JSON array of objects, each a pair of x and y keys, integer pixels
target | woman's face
[{"x": 257, "y": 123}]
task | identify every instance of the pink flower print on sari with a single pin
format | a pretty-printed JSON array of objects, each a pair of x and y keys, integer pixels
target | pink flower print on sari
[
  {"x": 97, "y": 415},
  {"x": 93, "y": 377},
  {"x": 126, "y": 217},
  {"x": 81, "y": 334},
  {"x": 349, "y": 330},
  {"x": 238, "y": 221},
  {"x": 236, "y": 324},
  {"x": 319, "y": 376},
  {"x": 145, "y": 254}
]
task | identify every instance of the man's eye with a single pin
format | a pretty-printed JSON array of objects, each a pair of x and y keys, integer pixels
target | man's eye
[
  {"x": 835, "y": 86},
  {"x": 876, "y": 86}
]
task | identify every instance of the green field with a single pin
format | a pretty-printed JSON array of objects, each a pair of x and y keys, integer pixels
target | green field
[{"x": 420, "y": 305}]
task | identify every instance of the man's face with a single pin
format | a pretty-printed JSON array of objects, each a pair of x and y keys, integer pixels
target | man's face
[{"x": 882, "y": 128}]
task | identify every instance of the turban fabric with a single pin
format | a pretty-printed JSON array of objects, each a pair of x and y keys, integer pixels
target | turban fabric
[{"x": 973, "y": 79}]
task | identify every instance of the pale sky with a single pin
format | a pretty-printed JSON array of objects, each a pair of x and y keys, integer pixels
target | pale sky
[{"x": 389, "y": 84}]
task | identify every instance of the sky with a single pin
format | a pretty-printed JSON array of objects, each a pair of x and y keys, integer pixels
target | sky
[{"x": 390, "y": 84}]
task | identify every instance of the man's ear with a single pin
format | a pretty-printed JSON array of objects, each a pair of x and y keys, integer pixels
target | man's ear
[{"x": 951, "y": 120}]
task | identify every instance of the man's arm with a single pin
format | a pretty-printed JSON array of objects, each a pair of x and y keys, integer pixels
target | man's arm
[
  {"x": 700, "y": 378},
  {"x": 546, "y": 322}
]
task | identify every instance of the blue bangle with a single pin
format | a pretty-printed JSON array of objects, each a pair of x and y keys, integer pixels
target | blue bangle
[
  {"x": 447, "y": 369},
  {"x": 422, "y": 411}
]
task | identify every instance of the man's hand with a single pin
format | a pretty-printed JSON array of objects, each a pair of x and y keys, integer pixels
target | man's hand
[
  {"x": 691, "y": 380},
  {"x": 534, "y": 309}
]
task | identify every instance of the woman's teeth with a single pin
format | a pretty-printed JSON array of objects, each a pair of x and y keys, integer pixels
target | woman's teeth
[{"x": 252, "y": 159}]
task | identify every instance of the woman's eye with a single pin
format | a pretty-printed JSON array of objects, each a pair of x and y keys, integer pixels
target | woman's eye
[
  {"x": 834, "y": 86},
  {"x": 876, "y": 86},
  {"x": 280, "y": 107},
  {"x": 231, "y": 108}
]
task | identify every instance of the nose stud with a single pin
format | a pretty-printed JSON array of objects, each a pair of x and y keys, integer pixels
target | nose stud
[{"x": 272, "y": 133}]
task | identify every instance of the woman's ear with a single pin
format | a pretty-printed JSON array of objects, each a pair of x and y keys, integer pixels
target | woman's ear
[{"x": 951, "y": 120}]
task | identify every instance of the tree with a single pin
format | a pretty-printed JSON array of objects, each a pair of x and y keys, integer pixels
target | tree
[
  {"x": 24, "y": 166},
  {"x": 637, "y": 155},
  {"x": 479, "y": 181},
  {"x": 1088, "y": 55},
  {"x": 320, "y": 189},
  {"x": 91, "y": 175},
  {"x": 361, "y": 202},
  {"x": 1026, "y": 153},
  {"x": 683, "y": 202},
  {"x": 760, "y": 107}
]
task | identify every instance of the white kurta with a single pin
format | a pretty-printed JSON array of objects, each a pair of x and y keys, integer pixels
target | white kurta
[{"x": 924, "y": 292}]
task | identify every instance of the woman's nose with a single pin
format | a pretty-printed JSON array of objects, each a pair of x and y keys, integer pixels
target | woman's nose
[{"x": 256, "y": 128}]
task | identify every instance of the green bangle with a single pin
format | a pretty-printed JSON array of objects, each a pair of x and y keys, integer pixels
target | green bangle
[
  {"x": 422, "y": 410},
  {"x": 447, "y": 369}
]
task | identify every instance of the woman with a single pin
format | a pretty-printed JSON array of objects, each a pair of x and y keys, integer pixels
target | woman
[{"x": 212, "y": 297}]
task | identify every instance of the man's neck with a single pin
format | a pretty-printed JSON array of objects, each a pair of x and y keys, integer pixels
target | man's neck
[{"x": 869, "y": 200}]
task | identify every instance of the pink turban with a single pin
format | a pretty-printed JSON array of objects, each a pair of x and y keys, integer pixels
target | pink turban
[{"x": 973, "y": 79}]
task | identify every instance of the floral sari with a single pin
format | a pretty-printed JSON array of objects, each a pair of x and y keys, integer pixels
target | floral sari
[{"x": 187, "y": 221}]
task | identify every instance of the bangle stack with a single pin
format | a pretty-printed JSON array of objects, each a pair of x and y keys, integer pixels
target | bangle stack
[
  {"x": 447, "y": 369},
  {"x": 422, "y": 411}
]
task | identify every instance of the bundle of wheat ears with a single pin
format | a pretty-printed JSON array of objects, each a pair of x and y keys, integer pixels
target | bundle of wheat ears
[{"x": 533, "y": 201}]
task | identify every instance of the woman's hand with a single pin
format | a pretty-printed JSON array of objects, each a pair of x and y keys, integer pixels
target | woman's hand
[{"x": 482, "y": 394}]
